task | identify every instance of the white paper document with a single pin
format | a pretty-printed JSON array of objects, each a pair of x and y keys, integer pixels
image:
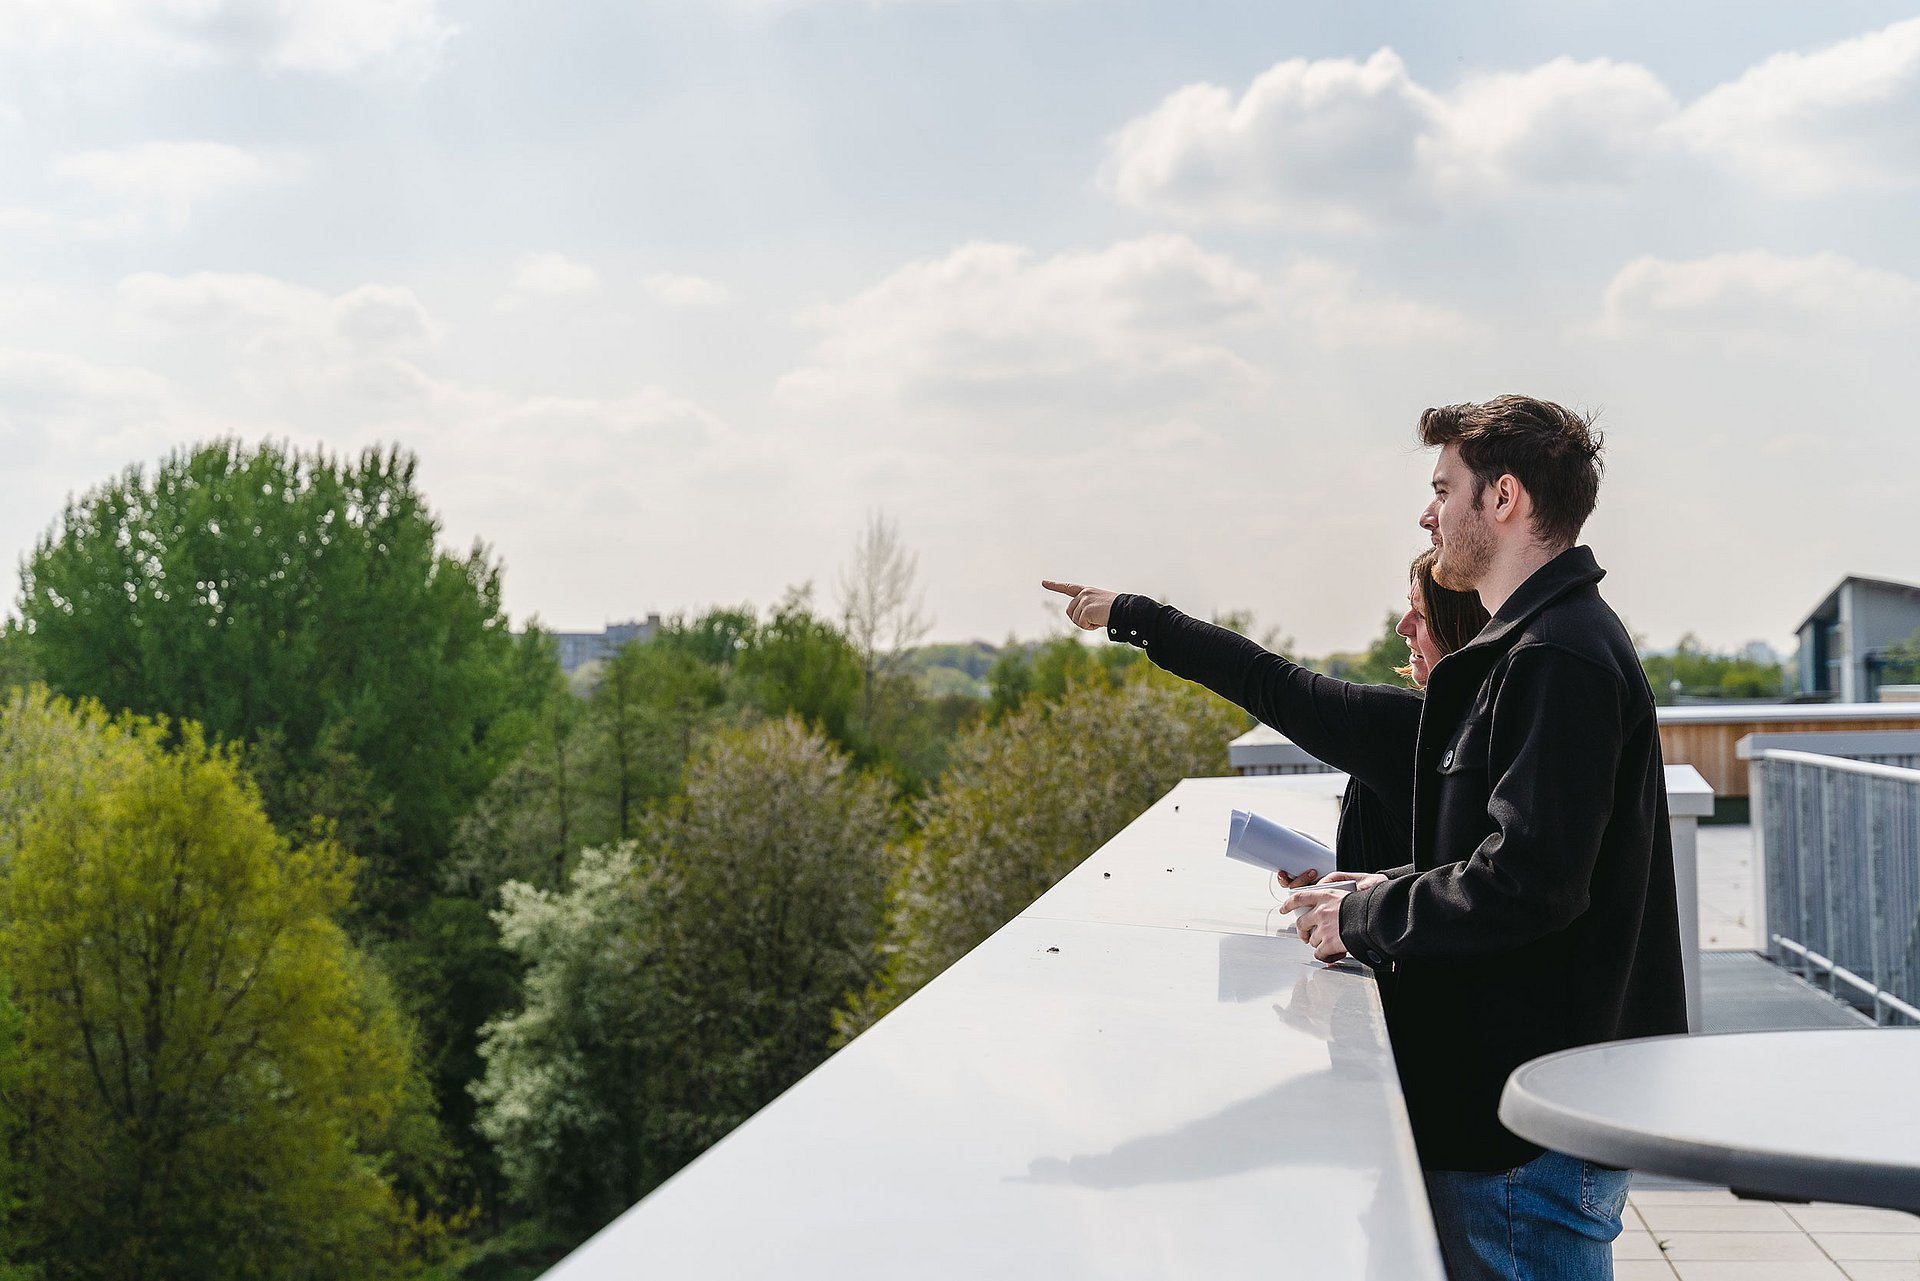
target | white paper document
[{"x": 1261, "y": 842}]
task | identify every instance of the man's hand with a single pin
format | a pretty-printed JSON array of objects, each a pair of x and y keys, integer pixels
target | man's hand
[
  {"x": 1090, "y": 607},
  {"x": 1318, "y": 924}
]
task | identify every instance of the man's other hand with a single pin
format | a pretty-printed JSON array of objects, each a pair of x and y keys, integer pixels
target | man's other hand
[
  {"x": 1090, "y": 607},
  {"x": 1318, "y": 924}
]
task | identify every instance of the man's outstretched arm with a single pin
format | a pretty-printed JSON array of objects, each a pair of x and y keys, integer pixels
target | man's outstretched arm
[{"x": 1366, "y": 730}]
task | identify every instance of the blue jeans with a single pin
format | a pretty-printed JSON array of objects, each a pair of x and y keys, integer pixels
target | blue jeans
[{"x": 1552, "y": 1219}]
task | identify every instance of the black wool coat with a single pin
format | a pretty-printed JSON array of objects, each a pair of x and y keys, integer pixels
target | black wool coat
[{"x": 1538, "y": 913}]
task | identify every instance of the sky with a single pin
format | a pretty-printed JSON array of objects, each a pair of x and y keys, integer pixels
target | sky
[{"x": 669, "y": 297}]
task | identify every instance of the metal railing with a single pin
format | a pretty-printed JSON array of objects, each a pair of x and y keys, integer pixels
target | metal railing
[{"x": 1840, "y": 854}]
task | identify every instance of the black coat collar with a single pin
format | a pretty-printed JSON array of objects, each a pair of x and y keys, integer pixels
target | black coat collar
[
  {"x": 1571, "y": 569},
  {"x": 1466, "y": 667}
]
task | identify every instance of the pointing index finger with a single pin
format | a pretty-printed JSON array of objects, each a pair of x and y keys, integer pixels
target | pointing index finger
[{"x": 1065, "y": 589}]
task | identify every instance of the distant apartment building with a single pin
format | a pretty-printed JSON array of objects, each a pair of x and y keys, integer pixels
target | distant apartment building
[
  {"x": 577, "y": 649},
  {"x": 1843, "y": 642}
]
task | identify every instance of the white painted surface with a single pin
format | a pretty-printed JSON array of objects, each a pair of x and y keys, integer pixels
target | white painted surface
[
  {"x": 1689, "y": 799},
  {"x": 1739, "y": 713},
  {"x": 1178, "y": 1090},
  {"x": 1825, "y": 1114}
]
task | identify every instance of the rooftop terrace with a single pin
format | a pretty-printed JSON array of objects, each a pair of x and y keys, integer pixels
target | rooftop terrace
[{"x": 1128, "y": 1078}]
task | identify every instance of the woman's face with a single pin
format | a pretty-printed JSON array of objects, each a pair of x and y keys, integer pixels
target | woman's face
[{"x": 1413, "y": 630}]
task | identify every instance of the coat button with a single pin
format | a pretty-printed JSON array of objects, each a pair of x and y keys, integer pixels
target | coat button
[{"x": 1446, "y": 761}]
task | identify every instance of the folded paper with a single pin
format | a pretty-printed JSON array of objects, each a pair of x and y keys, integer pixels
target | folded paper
[{"x": 1261, "y": 842}]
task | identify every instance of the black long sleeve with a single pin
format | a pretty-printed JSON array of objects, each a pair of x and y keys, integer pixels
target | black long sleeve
[{"x": 1368, "y": 731}]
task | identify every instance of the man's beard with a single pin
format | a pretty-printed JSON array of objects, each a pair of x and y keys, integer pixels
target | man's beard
[{"x": 1464, "y": 558}]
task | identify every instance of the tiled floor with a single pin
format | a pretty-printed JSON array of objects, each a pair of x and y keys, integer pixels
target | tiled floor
[
  {"x": 1710, "y": 1235},
  {"x": 1675, "y": 1234}
]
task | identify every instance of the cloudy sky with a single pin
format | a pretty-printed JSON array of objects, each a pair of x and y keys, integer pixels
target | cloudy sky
[{"x": 668, "y": 295}]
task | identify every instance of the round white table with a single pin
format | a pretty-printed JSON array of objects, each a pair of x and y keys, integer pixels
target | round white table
[{"x": 1829, "y": 1116}]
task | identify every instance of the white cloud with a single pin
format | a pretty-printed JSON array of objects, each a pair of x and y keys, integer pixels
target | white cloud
[
  {"x": 25, "y": 220},
  {"x": 673, "y": 290},
  {"x": 1841, "y": 117},
  {"x": 162, "y": 183},
  {"x": 1561, "y": 126},
  {"x": 360, "y": 343},
  {"x": 323, "y": 37},
  {"x": 1327, "y": 143},
  {"x": 1337, "y": 308},
  {"x": 553, "y": 275},
  {"x": 1003, "y": 336},
  {"x": 1337, "y": 144},
  {"x": 57, "y": 382},
  {"x": 1744, "y": 295},
  {"x": 52, "y": 401},
  {"x": 996, "y": 344}
]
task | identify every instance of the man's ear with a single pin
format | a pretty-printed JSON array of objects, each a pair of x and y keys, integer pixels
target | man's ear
[{"x": 1511, "y": 500}]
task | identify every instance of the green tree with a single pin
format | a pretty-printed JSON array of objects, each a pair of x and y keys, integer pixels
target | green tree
[
  {"x": 1901, "y": 661},
  {"x": 681, "y": 980},
  {"x": 1009, "y": 680},
  {"x": 13, "y": 1208},
  {"x": 1050, "y": 669},
  {"x": 1029, "y": 798},
  {"x": 1378, "y": 665},
  {"x": 17, "y": 664},
  {"x": 716, "y": 638},
  {"x": 1694, "y": 671},
  {"x": 210, "y": 1070},
  {"x": 646, "y": 711},
  {"x": 595, "y": 764},
  {"x": 799, "y": 663},
  {"x": 300, "y": 603},
  {"x": 528, "y": 822}
]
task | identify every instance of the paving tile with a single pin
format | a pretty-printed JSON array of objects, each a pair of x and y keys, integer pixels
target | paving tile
[
  {"x": 1750, "y": 1216},
  {"x": 1771, "y": 1247},
  {"x": 1641, "y": 1270},
  {"x": 1883, "y": 1270},
  {"x": 1737, "y": 1270},
  {"x": 1683, "y": 1196},
  {"x": 1636, "y": 1245},
  {"x": 1826, "y": 1217},
  {"x": 1900, "y": 1246}
]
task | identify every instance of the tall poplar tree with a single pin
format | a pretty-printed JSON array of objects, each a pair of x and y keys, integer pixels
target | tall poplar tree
[{"x": 300, "y": 603}]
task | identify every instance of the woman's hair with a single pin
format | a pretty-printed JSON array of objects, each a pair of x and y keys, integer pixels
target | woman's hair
[{"x": 1453, "y": 618}]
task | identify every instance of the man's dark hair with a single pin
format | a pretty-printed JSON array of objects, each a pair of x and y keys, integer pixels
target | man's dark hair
[{"x": 1552, "y": 451}]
